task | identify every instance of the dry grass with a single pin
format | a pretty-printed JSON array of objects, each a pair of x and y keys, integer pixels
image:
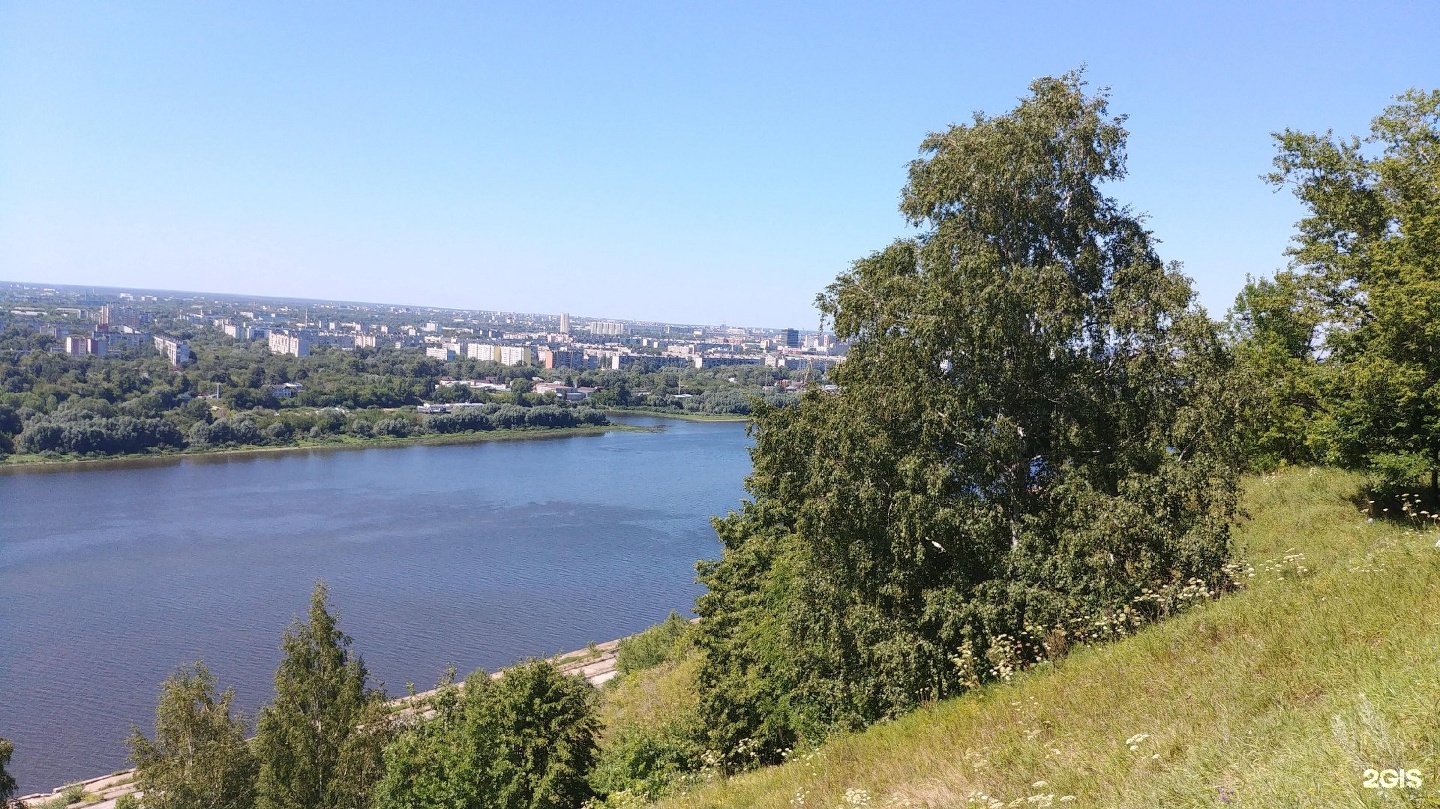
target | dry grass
[
  {"x": 651, "y": 698},
  {"x": 1278, "y": 696}
]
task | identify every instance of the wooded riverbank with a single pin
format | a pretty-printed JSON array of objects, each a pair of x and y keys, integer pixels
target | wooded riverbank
[{"x": 18, "y": 463}]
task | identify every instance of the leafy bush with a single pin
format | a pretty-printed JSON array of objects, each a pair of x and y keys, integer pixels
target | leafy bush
[
  {"x": 469, "y": 419},
  {"x": 83, "y": 433},
  {"x": 525, "y": 740},
  {"x": 232, "y": 431},
  {"x": 198, "y": 756},
  {"x": 654, "y": 646},
  {"x": 644, "y": 764},
  {"x": 396, "y": 428},
  {"x": 7, "y": 781}
]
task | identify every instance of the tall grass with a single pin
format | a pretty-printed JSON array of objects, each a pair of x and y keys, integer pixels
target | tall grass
[{"x": 1280, "y": 695}]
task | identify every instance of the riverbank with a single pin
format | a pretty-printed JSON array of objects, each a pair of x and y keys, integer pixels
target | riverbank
[
  {"x": 667, "y": 413},
  {"x": 17, "y": 463},
  {"x": 476, "y": 554}
]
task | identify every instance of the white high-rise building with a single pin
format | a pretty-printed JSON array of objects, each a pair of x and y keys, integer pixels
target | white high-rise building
[
  {"x": 517, "y": 355},
  {"x": 607, "y": 328},
  {"x": 285, "y": 342},
  {"x": 485, "y": 352}
]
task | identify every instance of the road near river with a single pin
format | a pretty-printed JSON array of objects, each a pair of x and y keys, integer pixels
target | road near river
[{"x": 476, "y": 555}]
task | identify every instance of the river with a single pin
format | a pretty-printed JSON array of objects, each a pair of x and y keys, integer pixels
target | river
[{"x": 476, "y": 555}]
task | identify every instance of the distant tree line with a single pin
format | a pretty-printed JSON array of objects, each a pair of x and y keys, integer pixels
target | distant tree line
[
  {"x": 136, "y": 415},
  {"x": 99, "y": 406}
]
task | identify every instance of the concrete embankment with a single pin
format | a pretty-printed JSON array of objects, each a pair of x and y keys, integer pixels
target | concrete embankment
[{"x": 596, "y": 664}]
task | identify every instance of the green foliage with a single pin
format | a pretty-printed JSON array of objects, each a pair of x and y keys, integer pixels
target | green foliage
[
  {"x": 1367, "y": 261},
  {"x": 525, "y": 741},
  {"x": 81, "y": 432},
  {"x": 127, "y": 801},
  {"x": 199, "y": 757},
  {"x": 319, "y": 743},
  {"x": 644, "y": 764},
  {"x": 505, "y": 417},
  {"x": 650, "y": 746},
  {"x": 7, "y": 781},
  {"x": 1274, "y": 327},
  {"x": 544, "y": 734},
  {"x": 136, "y": 403},
  {"x": 1304, "y": 668},
  {"x": 656, "y": 645},
  {"x": 1033, "y": 425},
  {"x": 440, "y": 762},
  {"x": 237, "y": 430}
]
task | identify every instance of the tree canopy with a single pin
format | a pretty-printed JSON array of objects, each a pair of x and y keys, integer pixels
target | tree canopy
[
  {"x": 319, "y": 742},
  {"x": 7, "y": 781},
  {"x": 1356, "y": 318},
  {"x": 199, "y": 758},
  {"x": 524, "y": 741},
  {"x": 1032, "y": 426}
]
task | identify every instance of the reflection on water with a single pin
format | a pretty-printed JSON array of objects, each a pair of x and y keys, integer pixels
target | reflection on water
[{"x": 475, "y": 555}]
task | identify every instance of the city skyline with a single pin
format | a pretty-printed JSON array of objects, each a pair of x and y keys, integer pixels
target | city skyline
[
  {"x": 710, "y": 164},
  {"x": 579, "y": 318}
]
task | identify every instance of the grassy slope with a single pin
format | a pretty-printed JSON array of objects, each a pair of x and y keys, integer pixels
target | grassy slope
[
  {"x": 1284, "y": 693},
  {"x": 649, "y": 698}
]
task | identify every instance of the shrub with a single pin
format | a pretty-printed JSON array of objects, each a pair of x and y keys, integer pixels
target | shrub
[
  {"x": 396, "y": 428},
  {"x": 656, "y": 645},
  {"x": 643, "y": 764},
  {"x": 525, "y": 740}
]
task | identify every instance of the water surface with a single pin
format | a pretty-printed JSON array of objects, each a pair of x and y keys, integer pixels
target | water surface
[{"x": 476, "y": 555}]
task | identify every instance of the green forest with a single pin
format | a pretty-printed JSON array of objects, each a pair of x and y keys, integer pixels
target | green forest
[
  {"x": 1037, "y": 444},
  {"x": 57, "y": 407}
]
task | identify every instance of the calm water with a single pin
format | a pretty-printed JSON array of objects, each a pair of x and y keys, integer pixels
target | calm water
[{"x": 475, "y": 555}]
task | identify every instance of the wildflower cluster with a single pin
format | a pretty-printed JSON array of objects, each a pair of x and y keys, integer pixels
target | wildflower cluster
[
  {"x": 1006, "y": 655},
  {"x": 1420, "y": 519},
  {"x": 1291, "y": 565},
  {"x": 808, "y": 758}
]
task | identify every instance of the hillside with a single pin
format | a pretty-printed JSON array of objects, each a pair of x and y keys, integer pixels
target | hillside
[{"x": 1283, "y": 694}]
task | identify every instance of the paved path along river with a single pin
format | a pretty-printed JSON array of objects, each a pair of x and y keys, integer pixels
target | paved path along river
[{"x": 476, "y": 555}]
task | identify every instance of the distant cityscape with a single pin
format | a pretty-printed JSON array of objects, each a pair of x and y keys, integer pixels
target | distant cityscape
[{"x": 91, "y": 321}]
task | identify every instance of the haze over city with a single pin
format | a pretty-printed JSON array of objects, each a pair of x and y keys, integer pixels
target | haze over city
[{"x": 696, "y": 163}]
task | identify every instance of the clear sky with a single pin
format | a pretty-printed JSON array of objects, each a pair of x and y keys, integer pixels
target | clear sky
[{"x": 678, "y": 161}]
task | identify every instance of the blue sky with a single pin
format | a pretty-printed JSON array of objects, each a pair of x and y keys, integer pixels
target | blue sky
[{"x": 687, "y": 162}]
